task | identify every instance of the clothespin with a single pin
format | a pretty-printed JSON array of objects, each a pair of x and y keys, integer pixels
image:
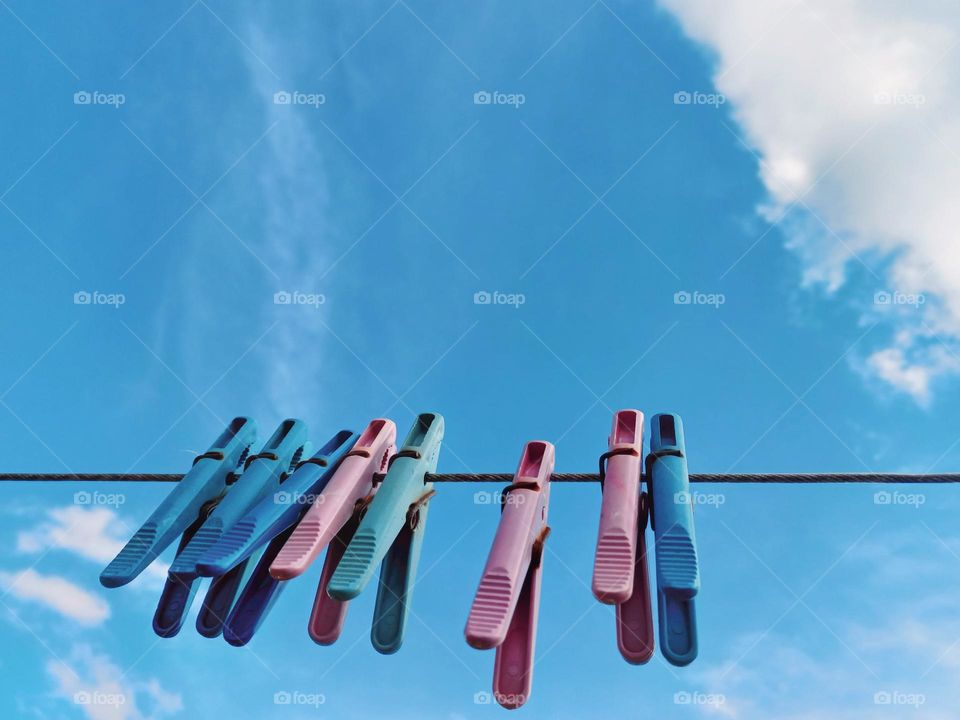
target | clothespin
[
  {"x": 262, "y": 473},
  {"x": 332, "y": 521},
  {"x": 273, "y": 514},
  {"x": 678, "y": 569},
  {"x": 352, "y": 481},
  {"x": 621, "y": 550},
  {"x": 392, "y": 531},
  {"x": 205, "y": 481},
  {"x": 506, "y": 606}
]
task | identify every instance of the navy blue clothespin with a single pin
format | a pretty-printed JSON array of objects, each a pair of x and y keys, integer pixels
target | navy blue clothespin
[
  {"x": 206, "y": 481},
  {"x": 262, "y": 475},
  {"x": 392, "y": 531},
  {"x": 273, "y": 514},
  {"x": 678, "y": 569}
]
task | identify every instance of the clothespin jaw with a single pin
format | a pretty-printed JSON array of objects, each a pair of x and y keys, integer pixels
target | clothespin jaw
[
  {"x": 635, "y": 616},
  {"x": 678, "y": 568},
  {"x": 620, "y": 470},
  {"x": 334, "y": 506},
  {"x": 206, "y": 480},
  {"x": 506, "y": 606},
  {"x": 392, "y": 531},
  {"x": 261, "y": 477},
  {"x": 276, "y": 512},
  {"x": 218, "y": 601},
  {"x": 262, "y": 471}
]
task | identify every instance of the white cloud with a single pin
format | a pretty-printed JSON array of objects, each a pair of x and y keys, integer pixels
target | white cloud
[
  {"x": 854, "y": 108},
  {"x": 98, "y": 687},
  {"x": 93, "y": 533},
  {"x": 57, "y": 594}
]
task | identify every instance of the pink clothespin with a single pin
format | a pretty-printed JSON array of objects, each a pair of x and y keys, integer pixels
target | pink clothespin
[
  {"x": 620, "y": 567},
  {"x": 331, "y": 521},
  {"x": 505, "y": 609}
]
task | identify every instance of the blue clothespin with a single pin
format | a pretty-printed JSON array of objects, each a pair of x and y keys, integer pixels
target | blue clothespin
[
  {"x": 257, "y": 597},
  {"x": 216, "y": 604},
  {"x": 273, "y": 514},
  {"x": 392, "y": 531},
  {"x": 262, "y": 474},
  {"x": 205, "y": 481},
  {"x": 678, "y": 569}
]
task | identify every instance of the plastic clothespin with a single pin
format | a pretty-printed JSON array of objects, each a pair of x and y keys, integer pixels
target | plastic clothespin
[
  {"x": 332, "y": 521},
  {"x": 620, "y": 469},
  {"x": 205, "y": 481},
  {"x": 257, "y": 597},
  {"x": 263, "y": 473},
  {"x": 620, "y": 568},
  {"x": 352, "y": 481},
  {"x": 678, "y": 569},
  {"x": 273, "y": 514},
  {"x": 505, "y": 609},
  {"x": 635, "y": 615},
  {"x": 392, "y": 531}
]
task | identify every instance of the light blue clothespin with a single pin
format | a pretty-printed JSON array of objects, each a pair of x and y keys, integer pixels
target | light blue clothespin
[
  {"x": 678, "y": 569},
  {"x": 276, "y": 512},
  {"x": 262, "y": 475},
  {"x": 392, "y": 531},
  {"x": 206, "y": 481}
]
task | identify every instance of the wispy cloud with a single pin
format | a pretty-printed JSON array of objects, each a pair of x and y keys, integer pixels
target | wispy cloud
[
  {"x": 55, "y": 593},
  {"x": 852, "y": 108},
  {"x": 96, "y": 686}
]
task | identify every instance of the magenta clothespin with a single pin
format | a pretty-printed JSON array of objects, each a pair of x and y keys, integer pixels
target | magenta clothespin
[
  {"x": 331, "y": 521},
  {"x": 505, "y": 609},
  {"x": 635, "y": 637},
  {"x": 620, "y": 469}
]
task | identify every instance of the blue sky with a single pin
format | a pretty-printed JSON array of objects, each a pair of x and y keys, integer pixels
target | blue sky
[{"x": 800, "y": 200}]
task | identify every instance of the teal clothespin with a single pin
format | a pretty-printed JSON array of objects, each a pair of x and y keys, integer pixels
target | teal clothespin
[
  {"x": 274, "y": 513},
  {"x": 392, "y": 531},
  {"x": 678, "y": 569},
  {"x": 205, "y": 481},
  {"x": 262, "y": 474}
]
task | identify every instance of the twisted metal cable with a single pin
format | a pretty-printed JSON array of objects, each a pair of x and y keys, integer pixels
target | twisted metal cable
[{"x": 739, "y": 478}]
